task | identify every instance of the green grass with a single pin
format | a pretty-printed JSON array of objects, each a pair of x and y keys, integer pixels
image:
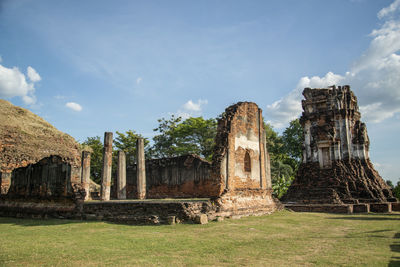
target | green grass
[{"x": 281, "y": 239}]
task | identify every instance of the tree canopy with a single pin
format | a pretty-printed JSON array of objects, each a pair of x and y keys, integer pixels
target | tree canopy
[{"x": 191, "y": 136}]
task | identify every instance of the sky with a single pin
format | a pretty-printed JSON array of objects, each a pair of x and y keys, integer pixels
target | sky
[{"x": 93, "y": 66}]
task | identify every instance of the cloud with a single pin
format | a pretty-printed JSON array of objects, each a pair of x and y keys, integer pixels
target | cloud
[
  {"x": 375, "y": 77},
  {"x": 194, "y": 107},
  {"x": 289, "y": 107},
  {"x": 139, "y": 80},
  {"x": 13, "y": 83},
  {"x": 33, "y": 75},
  {"x": 387, "y": 11},
  {"x": 74, "y": 106},
  {"x": 190, "y": 108},
  {"x": 1, "y": 59}
]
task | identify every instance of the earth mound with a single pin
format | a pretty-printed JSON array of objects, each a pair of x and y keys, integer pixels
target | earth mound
[{"x": 26, "y": 138}]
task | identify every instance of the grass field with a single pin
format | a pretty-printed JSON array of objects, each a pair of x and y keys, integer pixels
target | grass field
[{"x": 281, "y": 239}]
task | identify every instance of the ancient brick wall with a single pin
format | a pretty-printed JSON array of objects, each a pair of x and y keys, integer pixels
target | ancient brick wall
[
  {"x": 336, "y": 168},
  {"x": 241, "y": 162},
  {"x": 50, "y": 178},
  {"x": 177, "y": 177}
]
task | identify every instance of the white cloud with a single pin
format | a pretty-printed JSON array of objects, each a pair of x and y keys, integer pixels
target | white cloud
[
  {"x": 1, "y": 59},
  {"x": 289, "y": 107},
  {"x": 387, "y": 11},
  {"x": 190, "y": 108},
  {"x": 33, "y": 75},
  {"x": 194, "y": 107},
  {"x": 375, "y": 77},
  {"x": 139, "y": 80},
  {"x": 74, "y": 106},
  {"x": 13, "y": 83}
]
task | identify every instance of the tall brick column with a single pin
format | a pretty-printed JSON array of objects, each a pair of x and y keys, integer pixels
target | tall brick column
[
  {"x": 121, "y": 175},
  {"x": 107, "y": 164},
  {"x": 141, "y": 169},
  {"x": 85, "y": 176}
]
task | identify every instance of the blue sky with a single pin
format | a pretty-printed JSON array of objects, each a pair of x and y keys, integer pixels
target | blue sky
[{"x": 94, "y": 66}]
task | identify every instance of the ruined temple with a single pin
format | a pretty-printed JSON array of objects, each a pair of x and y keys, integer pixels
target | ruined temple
[
  {"x": 237, "y": 182},
  {"x": 336, "y": 168}
]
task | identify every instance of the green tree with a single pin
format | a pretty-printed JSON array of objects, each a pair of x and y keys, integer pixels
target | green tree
[
  {"x": 396, "y": 190},
  {"x": 96, "y": 157},
  {"x": 285, "y": 151},
  {"x": 292, "y": 139},
  {"x": 127, "y": 143},
  {"x": 191, "y": 136}
]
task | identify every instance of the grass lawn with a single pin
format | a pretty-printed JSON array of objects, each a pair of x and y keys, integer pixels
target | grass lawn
[{"x": 281, "y": 239}]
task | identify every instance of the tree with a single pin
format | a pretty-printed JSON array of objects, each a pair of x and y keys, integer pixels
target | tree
[
  {"x": 396, "y": 190},
  {"x": 191, "y": 136},
  {"x": 292, "y": 139},
  {"x": 96, "y": 157},
  {"x": 285, "y": 151},
  {"x": 127, "y": 143}
]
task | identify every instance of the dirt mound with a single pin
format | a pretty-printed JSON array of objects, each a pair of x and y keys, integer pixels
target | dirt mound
[{"x": 26, "y": 138}]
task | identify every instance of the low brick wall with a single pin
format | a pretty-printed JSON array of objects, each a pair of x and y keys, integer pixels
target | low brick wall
[
  {"x": 127, "y": 212},
  {"x": 64, "y": 209},
  {"x": 321, "y": 208},
  {"x": 146, "y": 212},
  {"x": 361, "y": 208},
  {"x": 380, "y": 207},
  {"x": 346, "y": 208},
  {"x": 396, "y": 206}
]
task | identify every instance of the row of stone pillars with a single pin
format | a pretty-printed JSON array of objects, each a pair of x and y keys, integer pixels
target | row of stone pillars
[{"x": 121, "y": 170}]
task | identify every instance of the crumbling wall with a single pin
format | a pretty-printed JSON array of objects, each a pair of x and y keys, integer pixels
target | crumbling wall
[
  {"x": 241, "y": 162},
  {"x": 26, "y": 138},
  {"x": 50, "y": 178},
  {"x": 336, "y": 168},
  {"x": 178, "y": 177}
]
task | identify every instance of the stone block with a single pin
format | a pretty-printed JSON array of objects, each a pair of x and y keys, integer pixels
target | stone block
[
  {"x": 396, "y": 206},
  {"x": 380, "y": 207},
  {"x": 201, "y": 219},
  {"x": 360, "y": 208}
]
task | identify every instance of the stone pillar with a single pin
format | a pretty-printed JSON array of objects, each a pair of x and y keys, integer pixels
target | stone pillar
[
  {"x": 85, "y": 176},
  {"x": 107, "y": 164},
  {"x": 140, "y": 169},
  {"x": 5, "y": 182},
  {"x": 121, "y": 175}
]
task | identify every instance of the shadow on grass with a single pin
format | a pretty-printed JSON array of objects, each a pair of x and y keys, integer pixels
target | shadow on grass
[
  {"x": 36, "y": 222},
  {"x": 52, "y": 221},
  {"x": 395, "y": 247},
  {"x": 370, "y": 217}
]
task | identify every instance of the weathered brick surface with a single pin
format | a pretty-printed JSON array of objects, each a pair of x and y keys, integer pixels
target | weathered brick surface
[
  {"x": 321, "y": 208},
  {"x": 396, "y": 206},
  {"x": 240, "y": 164},
  {"x": 177, "y": 177},
  {"x": 361, "y": 208},
  {"x": 50, "y": 178},
  {"x": 25, "y": 139},
  {"x": 335, "y": 168},
  {"x": 380, "y": 207}
]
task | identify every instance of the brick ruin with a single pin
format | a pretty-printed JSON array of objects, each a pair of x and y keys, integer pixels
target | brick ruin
[
  {"x": 241, "y": 164},
  {"x": 336, "y": 174},
  {"x": 336, "y": 168},
  {"x": 237, "y": 182}
]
